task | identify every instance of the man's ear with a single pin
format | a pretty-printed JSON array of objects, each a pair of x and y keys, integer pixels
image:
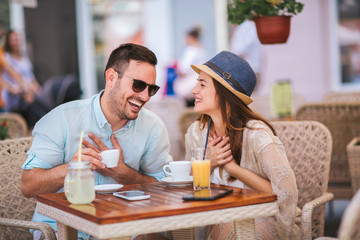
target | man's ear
[{"x": 110, "y": 77}]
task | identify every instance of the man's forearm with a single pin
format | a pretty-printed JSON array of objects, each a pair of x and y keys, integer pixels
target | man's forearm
[{"x": 40, "y": 181}]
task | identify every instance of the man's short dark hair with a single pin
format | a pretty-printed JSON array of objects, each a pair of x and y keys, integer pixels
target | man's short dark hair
[{"x": 121, "y": 56}]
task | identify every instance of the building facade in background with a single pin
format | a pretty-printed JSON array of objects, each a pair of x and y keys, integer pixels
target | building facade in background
[{"x": 76, "y": 35}]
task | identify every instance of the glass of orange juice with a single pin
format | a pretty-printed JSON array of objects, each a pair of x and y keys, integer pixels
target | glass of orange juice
[{"x": 200, "y": 164}]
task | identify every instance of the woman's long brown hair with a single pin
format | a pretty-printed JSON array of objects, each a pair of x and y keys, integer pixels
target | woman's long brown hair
[{"x": 235, "y": 114}]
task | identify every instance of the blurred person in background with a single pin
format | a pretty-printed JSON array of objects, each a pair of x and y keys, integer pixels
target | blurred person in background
[
  {"x": 245, "y": 43},
  {"x": 193, "y": 53},
  {"x": 29, "y": 87},
  {"x": 5, "y": 67}
]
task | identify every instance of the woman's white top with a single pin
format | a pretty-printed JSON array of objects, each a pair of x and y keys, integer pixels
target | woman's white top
[{"x": 263, "y": 154}]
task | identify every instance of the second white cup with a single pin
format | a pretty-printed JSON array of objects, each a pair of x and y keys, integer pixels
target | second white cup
[
  {"x": 179, "y": 170},
  {"x": 110, "y": 157}
]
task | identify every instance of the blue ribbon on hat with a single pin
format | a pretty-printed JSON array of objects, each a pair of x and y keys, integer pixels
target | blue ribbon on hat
[{"x": 226, "y": 76}]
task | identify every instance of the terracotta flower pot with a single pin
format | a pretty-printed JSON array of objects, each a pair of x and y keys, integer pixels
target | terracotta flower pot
[{"x": 273, "y": 29}]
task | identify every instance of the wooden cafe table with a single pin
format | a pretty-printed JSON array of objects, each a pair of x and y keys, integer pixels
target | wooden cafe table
[{"x": 110, "y": 217}]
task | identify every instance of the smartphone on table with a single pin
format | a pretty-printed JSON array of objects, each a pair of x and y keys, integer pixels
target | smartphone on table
[
  {"x": 207, "y": 194},
  {"x": 132, "y": 195}
]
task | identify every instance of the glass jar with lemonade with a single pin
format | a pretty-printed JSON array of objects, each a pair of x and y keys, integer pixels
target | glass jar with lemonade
[{"x": 79, "y": 183}]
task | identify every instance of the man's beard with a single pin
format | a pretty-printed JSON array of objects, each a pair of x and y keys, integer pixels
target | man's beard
[{"x": 114, "y": 107}]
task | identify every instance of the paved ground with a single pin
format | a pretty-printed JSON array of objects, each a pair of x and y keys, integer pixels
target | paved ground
[{"x": 333, "y": 218}]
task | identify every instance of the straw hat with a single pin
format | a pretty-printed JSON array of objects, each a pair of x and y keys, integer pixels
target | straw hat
[{"x": 232, "y": 72}]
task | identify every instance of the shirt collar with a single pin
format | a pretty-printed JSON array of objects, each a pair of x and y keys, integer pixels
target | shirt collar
[{"x": 99, "y": 115}]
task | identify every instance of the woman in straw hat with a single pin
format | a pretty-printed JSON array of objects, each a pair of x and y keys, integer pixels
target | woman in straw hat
[{"x": 246, "y": 152}]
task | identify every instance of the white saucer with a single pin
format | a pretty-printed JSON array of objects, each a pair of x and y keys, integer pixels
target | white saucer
[
  {"x": 171, "y": 182},
  {"x": 108, "y": 188}
]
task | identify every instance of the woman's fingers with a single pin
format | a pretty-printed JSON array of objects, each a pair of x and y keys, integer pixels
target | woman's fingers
[
  {"x": 222, "y": 146},
  {"x": 213, "y": 141},
  {"x": 226, "y": 147},
  {"x": 224, "y": 141},
  {"x": 224, "y": 155},
  {"x": 213, "y": 135},
  {"x": 225, "y": 160}
]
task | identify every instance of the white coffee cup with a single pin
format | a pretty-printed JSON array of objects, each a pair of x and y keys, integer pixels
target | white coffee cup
[
  {"x": 179, "y": 170},
  {"x": 110, "y": 157}
]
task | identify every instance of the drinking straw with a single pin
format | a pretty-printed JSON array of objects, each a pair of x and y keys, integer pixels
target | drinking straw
[
  {"x": 207, "y": 136},
  {"x": 80, "y": 145}
]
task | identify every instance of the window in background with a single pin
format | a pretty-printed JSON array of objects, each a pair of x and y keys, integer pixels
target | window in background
[
  {"x": 349, "y": 40},
  {"x": 114, "y": 22}
]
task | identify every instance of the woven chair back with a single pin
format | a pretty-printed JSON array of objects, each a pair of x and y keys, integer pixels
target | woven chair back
[
  {"x": 186, "y": 119},
  {"x": 169, "y": 110},
  {"x": 342, "y": 97},
  {"x": 308, "y": 147},
  {"x": 12, "y": 203},
  {"x": 343, "y": 121},
  {"x": 262, "y": 105},
  {"x": 350, "y": 222},
  {"x": 353, "y": 154},
  {"x": 17, "y": 124}
]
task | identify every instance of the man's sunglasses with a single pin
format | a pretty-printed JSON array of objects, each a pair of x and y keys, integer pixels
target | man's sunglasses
[{"x": 139, "y": 85}]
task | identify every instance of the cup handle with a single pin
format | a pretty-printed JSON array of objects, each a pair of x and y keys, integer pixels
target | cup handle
[{"x": 164, "y": 168}]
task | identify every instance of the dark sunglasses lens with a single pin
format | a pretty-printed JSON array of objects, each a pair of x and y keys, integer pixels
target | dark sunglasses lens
[
  {"x": 153, "y": 90},
  {"x": 138, "y": 86}
]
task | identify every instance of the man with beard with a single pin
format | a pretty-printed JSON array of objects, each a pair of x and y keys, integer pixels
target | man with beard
[{"x": 110, "y": 119}]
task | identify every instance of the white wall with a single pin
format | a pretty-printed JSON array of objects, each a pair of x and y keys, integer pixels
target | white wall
[
  {"x": 304, "y": 59},
  {"x": 165, "y": 25},
  {"x": 187, "y": 14},
  {"x": 17, "y": 21},
  {"x": 158, "y": 35},
  {"x": 87, "y": 68}
]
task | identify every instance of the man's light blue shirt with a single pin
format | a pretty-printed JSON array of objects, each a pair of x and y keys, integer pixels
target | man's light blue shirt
[{"x": 144, "y": 141}]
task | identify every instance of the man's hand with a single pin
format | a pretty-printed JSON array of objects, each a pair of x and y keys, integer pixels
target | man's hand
[
  {"x": 122, "y": 173},
  {"x": 88, "y": 154}
]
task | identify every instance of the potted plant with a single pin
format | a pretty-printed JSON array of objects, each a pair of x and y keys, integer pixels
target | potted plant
[
  {"x": 4, "y": 130},
  {"x": 271, "y": 17}
]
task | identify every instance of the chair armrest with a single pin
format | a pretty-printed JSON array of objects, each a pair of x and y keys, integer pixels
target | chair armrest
[
  {"x": 307, "y": 210},
  {"x": 44, "y": 227}
]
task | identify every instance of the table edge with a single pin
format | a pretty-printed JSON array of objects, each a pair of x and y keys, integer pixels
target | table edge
[{"x": 158, "y": 224}]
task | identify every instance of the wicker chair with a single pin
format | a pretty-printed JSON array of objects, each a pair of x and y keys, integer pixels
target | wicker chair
[
  {"x": 353, "y": 154},
  {"x": 16, "y": 211},
  {"x": 349, "y": 227},
  {"x": 308, "y": 146},
  {"x": 343, "y": 121},
  {"x": 262, "y": 105},
  {"x": 17, "y": 125},
  {"x": 342, "y": 97},
  {"x": 169, "y": 110},
  {"x": 350, "y": 221},
  {"x": 186, "y": 119}
]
